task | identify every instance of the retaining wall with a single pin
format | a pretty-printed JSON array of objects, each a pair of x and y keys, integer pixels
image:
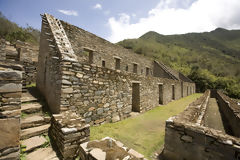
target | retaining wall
[{"x": 186, "y": 138}]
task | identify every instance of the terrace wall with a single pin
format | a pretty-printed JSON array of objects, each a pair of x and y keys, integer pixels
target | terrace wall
[{"x": 186, "y": 138}]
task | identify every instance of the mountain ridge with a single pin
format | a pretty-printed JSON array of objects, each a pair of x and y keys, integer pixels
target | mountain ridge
[{"x": 214, "y": 54}]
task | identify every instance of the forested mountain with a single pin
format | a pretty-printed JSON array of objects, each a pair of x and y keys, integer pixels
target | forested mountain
[
  {"x": 12, "y": 32},
  {"x": 211, "y": 59}
]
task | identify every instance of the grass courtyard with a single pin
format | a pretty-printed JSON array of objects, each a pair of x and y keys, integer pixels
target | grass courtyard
[{"x": 144, "y": 133}]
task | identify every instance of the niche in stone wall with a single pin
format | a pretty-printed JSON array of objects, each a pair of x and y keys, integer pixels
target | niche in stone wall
[
  {"x": 103, "y": 63},
  {"x": 126, "y": 68},
  {"x": 135, "y": 68},
  {"x": 136, "y": 97},
  {"x": 89, "y": 53}
]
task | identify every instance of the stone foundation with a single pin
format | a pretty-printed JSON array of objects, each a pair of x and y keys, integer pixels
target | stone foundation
[
  {"x": 10, "y": 110},
  {"x": 68, "y": 131},
  {"x": 109, "y": 149}
]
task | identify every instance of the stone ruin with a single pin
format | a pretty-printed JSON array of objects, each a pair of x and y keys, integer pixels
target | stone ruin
[
  {"x": 87, "y": 81},
  {"x": 107, "y": 148},
  {"x": 201, "y": 133},
  {"x": 98, "y": 80},
  {"x": 10, "y": 110},
  {"x": 68, "y": 131},
  {"x": 23, "y": 54}
]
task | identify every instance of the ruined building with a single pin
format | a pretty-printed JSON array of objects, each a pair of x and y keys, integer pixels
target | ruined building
[
  {"x": 98, "y": 80},
  {"x": 207, "y": 129}
]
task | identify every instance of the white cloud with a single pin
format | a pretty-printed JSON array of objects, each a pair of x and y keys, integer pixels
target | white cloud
[
  {"x": 98, "y": 6},
  {"x": 68, "y": 12},
  {"x": 178, "y": 17}
]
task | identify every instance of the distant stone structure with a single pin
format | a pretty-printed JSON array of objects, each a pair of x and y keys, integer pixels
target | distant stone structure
[
  {"x": 21, "y": 53},
  {"x": 191, "y": 136},
  {"x": 98, "y": 80}
]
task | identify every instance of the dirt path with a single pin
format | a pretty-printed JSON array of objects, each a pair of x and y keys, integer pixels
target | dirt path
[{"x": 213, "y": 117}]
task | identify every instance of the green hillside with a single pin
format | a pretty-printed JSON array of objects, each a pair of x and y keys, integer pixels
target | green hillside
[
  {"x": 211, "y": 59},
  {"x": 12, "y": 32}
]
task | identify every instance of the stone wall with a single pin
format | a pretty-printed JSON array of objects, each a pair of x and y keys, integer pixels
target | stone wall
[
  {"x": 28, "y": 57},
  {"x": 187, "y": 138},
  {"x": 101, "y": 94},
  {"x": 48, "y": 69},
  {"x": 104, "y": 50},
  {"x": 98, "y": 93},
  {"x": 107, "y": 148},
  {"x": 23, "y": 54},
  {"x": 68, "y": 131},
  {"x": 231, "y": 111},
  {"x": 10, "y": 110}
]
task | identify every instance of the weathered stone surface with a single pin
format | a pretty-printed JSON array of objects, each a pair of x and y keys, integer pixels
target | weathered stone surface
[
  {"x": 11, "y": 156},
  {"x": 67, "y": 90},
  {"x": 135, "y": 154},
  {"x": 116, "y": 118},
  {"x": 10, "y": 75},
  {"x": 186, "y": 138},
  {"x": 98, "y": 154},
  {"x": 9, "y": 132},
  {"x": 30, "y": 132},
  {"x": 32, "y": 121},
  {"x": 30, "y": 107},
  {"x": 69, "y": 130},
  {"x": 33, "y": 142},
  {"x": 10, "y": 87},
  {"x": 43, "y": 153}
]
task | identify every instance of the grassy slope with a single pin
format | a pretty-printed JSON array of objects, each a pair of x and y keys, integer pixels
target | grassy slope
[
  {"x": 144, "y": 133},
  {"x": 211, "y": 50}
]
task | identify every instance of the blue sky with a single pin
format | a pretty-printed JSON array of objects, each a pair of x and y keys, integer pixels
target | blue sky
[{"x": 116, "y": 20}]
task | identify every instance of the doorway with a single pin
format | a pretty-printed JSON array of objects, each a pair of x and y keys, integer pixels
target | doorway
[
  {"x": 160, "y": 89},
  {"x": 135, "y": 97},
  {"x": 173, "y": 92}
]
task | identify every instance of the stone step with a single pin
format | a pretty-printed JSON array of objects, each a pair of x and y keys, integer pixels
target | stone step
[
  {"x": 43, "y": 154},
  {"x": 35, "y": 131},
  {"x": 33, "y": 143},
  {"x": 27, "y": 97},
  {"x": 31, "y": 107},
  {"x": 33, "y": 121}
]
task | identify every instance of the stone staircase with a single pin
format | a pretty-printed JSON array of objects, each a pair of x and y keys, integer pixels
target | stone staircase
[{"x": 35, "y": 123}]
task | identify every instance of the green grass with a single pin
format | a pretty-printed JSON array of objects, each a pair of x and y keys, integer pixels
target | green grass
[
  {"x": 31, "y": 85},
  {"x": 144, "y": 133}
]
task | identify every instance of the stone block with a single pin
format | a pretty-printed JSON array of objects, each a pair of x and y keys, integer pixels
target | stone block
[
  {"x": 9, "y": 132},
  {"x": 115, "y": 118},
  {"x": 10, "y": 87},
  {"x": 10, "y": 75}
]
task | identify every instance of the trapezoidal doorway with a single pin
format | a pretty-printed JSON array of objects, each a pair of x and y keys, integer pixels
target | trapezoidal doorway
[
  {"x": 160, "y": 89},
  {"x": 135, "y": 97}
]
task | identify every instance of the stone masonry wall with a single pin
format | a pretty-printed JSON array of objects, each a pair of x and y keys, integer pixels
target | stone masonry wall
[
  {"x": 231, "y": 111},
  {"x": 68, "y": 131},
  {"x": 10, "y": 111},
  {"x": 186, "y": 137},
  {"x": 101, "y": 94},
  {"x": 98, "y": 93},
  {"x": 49, "y": 71},
  {"x": 104, "y": 50}
]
